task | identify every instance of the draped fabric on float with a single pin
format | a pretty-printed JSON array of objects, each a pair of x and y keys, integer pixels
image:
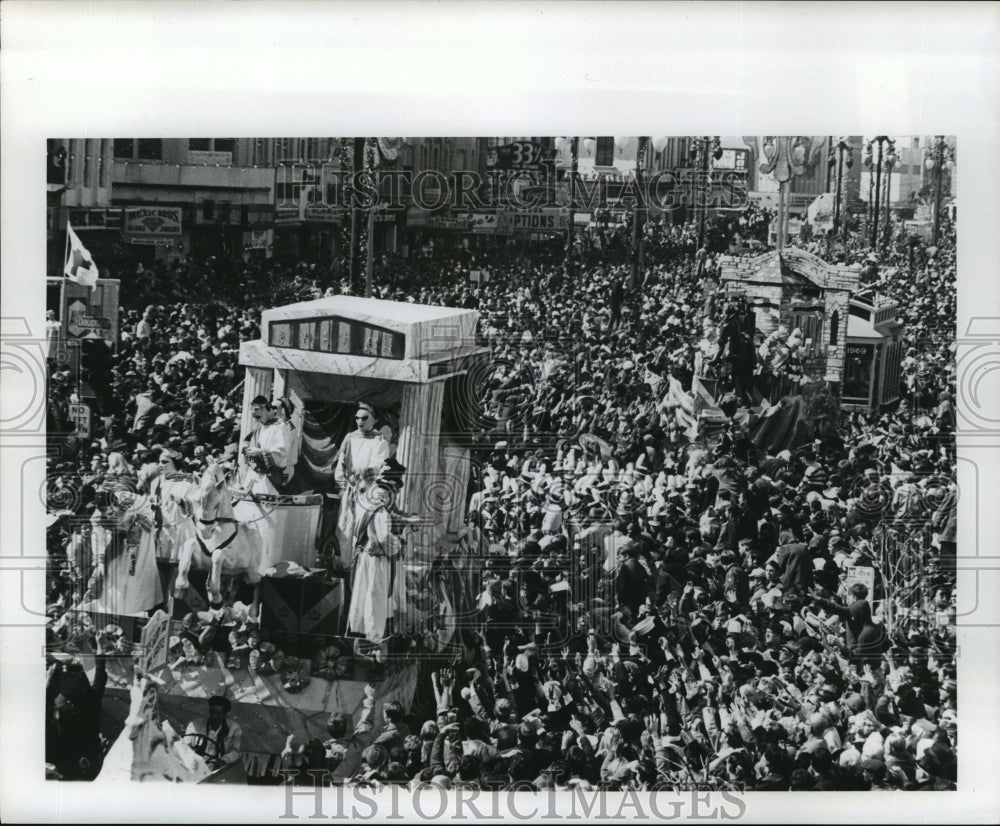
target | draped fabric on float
[
  {"x": 786, "y": 428},
  {"x": 328, "y": 404},
  {"x": 323, "y": 430}
]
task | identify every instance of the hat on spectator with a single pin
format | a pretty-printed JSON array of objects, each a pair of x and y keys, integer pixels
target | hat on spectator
[
  {"x": 850, "y": 758},
  {"x": 74, "y": 685},
  {"x": 855, "y": 702},
  {"x": 442, "y": 781},
  {"x": 874, "y": 766},
  {"x": 375, "y": 756}
]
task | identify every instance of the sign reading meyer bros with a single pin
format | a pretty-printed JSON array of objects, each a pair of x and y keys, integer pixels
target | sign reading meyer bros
[{"x": 152, "y": 224}]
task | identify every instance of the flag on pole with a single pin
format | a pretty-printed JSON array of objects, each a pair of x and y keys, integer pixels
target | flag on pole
[{"x": 80, "y": 266}]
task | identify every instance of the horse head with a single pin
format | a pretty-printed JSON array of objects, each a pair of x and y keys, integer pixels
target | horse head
[
  {"x": 213, "y": 497},
  {"x": 142, "y": 705}
]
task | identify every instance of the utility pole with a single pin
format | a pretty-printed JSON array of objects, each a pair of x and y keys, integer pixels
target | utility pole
[
  {"x": 355, "y": 259},
  {"x": 573, "y": 150},
  {"x": 639, "y": 212}
]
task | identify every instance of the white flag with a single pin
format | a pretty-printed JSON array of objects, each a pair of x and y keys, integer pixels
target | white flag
[{"x": 80, "y": 266}]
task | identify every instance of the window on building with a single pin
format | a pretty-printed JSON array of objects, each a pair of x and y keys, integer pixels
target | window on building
[
  {"x": 261, "y": 155},
  {"x": 124, "y": 148},
  {"x": 225, "y": 145},
  {"x": 199, "y": 145},
  {"x": 87, "y": 149},
  {"x": 102, "y": 165},
  {"x": 834, "y": 325},
  {"x": 150, "y": 149},
  {"x": 605, "y": 154}
]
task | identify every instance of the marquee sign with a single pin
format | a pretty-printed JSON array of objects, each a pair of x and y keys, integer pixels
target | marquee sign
[
  {"x": 520, "y": 155},
  {"x": 152, "y": 224}
]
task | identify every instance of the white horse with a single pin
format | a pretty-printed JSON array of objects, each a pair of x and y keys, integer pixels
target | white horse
[
  {"x": 220, "y": 544},
  {"x": 149, "y": 750},
  {"x": 173, "y": 494}
]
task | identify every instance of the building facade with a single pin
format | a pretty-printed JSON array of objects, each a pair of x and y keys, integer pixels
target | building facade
[{"x": 197, "y": 196}]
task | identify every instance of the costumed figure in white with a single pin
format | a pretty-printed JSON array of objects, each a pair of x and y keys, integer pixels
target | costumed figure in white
[
  {"x": 125, "y": 579},
  {"x": 166, "y": 491},
  {"x": 286, "y": 418},
  {"x": 378, "y": 593},
  {"x": 358, "y": 463},
  {"x": 265, "y": 451}
]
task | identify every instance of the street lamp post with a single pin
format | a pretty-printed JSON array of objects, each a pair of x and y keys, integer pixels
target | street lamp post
[
  {"x": 890, "y": 162},
  {"x": 840, "y": 155},
  {"x": 639, "y": 212},
  {"x": 935, "y": 159},
  {"x": 886, "y": 151},
  {"x": 354, "y": 261},
  {"x": 573, "y": 153},
  {"x": 700, "y": 154}
]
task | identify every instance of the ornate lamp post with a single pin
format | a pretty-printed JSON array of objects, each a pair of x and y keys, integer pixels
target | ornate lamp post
[
  {"x": 841, "y": 155},
  {"x": 640, "y": 212},
  {"x": 786, "y": 158},
  {"x": 936, "y": 158},
  {"x": 702, "y": 152},
  {"x": 574, "y": 145},
  {"x": 358, "y": 162},
  {"x": 890, "y": 162},
  {"x": 886, "y": 148}
]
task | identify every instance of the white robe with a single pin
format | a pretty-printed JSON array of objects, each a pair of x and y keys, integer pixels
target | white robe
[
  {"x": 357, "y": 455},
  {"x": 131, "y": 583},
  {"x": 378, "y": 592},
  {"x": 267, "y": 518},
  {"x": 272, "y": 440}
]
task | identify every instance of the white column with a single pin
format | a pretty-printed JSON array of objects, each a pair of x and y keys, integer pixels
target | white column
[
  {"x": 417, "y": 450},
  {"x": 280, "y": 384}
]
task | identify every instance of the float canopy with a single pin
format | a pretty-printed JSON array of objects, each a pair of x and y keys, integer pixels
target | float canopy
[{"x": 348, "y": 335}]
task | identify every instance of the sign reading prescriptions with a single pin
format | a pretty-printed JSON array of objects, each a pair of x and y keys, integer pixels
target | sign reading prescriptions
[
  {"x": 540, "y": 220},
  {"x": 145, "y": 225}
]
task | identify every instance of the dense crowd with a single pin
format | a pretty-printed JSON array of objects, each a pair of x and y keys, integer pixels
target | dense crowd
[{"x": 655, "y": 605}]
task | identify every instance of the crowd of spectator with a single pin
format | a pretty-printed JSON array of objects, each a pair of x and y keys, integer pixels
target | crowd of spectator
[{"x": 656, "y": 608}]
